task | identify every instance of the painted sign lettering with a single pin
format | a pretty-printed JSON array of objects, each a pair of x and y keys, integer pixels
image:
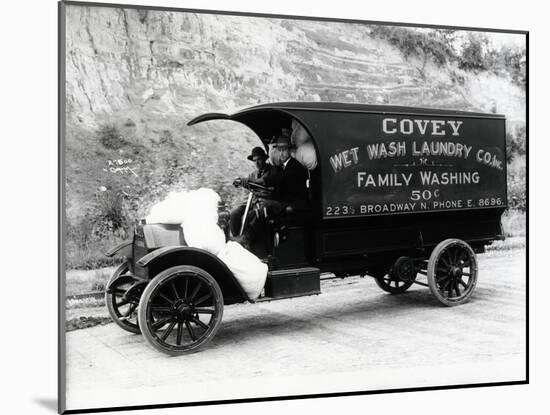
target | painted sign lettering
[{"x": 413, "y": 164}]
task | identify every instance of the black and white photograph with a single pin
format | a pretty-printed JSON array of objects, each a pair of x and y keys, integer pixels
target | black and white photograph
[{"x": 261, "y": 206}]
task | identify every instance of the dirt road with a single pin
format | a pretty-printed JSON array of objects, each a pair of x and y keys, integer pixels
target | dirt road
[{"x": 351, "y": 337}]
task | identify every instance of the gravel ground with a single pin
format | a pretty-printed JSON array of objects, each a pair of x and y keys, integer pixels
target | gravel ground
[{"x": 351, "y": 337}]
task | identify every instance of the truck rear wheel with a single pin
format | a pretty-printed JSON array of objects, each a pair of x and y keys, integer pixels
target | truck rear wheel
[
  {"x": 392, "y": 285},
  {"x": 401, "y": 276},
  {"x": 122, "y": 301},
  {"x": 452, "y": 272},
  {"x": 180, "y": 310}
]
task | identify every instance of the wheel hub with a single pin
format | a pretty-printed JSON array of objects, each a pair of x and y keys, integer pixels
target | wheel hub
[
  {"x": 182, "y": 309},
  {"x": 403, "y": 269},
  {"x": 456, "y": 272}
]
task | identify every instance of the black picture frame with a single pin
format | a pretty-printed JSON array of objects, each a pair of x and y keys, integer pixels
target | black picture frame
[{"x": 63, "y": 221}]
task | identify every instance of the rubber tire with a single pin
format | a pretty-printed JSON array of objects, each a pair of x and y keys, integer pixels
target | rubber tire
[
  {"x": 431, "y": 271},
  {"x": 159, "y": 280},
  {"x": 392, "y": 290},
  {"x": 110, "y": 307}
]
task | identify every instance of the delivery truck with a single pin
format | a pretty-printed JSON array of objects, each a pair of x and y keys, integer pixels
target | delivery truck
[{"x": 400, "y": 194}]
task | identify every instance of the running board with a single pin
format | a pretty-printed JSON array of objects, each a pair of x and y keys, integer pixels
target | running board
[{"x": 293, "y": 282}]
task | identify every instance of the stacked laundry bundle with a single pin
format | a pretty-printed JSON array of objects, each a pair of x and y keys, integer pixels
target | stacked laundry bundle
[
  {"x": 197, "y": 212},
  {"x": 305, "y": 150}
]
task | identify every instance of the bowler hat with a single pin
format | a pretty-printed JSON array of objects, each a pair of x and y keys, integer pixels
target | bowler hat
[{"x": 257, "y": 151}]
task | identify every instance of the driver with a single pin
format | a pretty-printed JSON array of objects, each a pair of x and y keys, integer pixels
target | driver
[
  {"x": 290, "y": 194},
  {"x": 265, "y": 175}
]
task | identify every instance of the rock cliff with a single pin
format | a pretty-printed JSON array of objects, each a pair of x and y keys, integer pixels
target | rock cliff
[{"x": 141, "y": 75}]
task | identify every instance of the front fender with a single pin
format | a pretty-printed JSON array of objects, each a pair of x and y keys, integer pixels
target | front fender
[
  {"x": 124, "y": 249},
  {"x": 124, "y": 279},
  {"x": 170, "y": 256},
  {"x": 153, "y": 257}
]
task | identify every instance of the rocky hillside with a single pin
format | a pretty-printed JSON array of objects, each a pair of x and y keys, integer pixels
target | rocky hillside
[{"x": 134, "y": 79}]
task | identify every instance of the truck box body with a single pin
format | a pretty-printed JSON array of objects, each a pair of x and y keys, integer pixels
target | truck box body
[
  {"x": 393, "y": 178},
  {"x": 383, "y": 163}
]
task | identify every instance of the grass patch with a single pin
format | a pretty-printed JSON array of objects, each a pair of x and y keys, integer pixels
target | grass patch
[
  {"x": 84, "y": 322},
  {"x": 111, "y": 138},
  {"x": 514, "y": 223},
  {"x": 509, "y": 244},
  {"x": 473, "y": 53},
  {"x": 86, "y": 281},
  {"x": 86, "y": 302},
  {"x": 86, "y": 312},
  {"x": 91, "y": 254}
]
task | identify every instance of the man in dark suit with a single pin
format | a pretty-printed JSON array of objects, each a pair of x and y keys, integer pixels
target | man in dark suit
[
  {"x": 291, "y": 190},
  {"x": 289, "y": 196}
]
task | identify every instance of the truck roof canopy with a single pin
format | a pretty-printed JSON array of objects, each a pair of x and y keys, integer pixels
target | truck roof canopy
[
  {"x": 342, "y": 106},
  {"x": 266, "y": 120}
]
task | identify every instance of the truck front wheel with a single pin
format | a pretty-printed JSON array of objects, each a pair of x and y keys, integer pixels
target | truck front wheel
[{"x": 180, "y": 310}]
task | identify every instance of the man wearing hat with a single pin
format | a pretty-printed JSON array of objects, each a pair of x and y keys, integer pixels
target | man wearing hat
[
  {"x": 264, "y": 174},
  {"x": 292, "y": 191}
]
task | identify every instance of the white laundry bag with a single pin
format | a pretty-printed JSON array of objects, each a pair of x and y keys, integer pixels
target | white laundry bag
[
  {"x": 200, "y": 218},
  {"x": 201, "y": 205},
  {"x": 170, "y": 210},
  {"x": 299, "y": 135},
  {"x": 247, "y": 268},
  {"x": 207, "y": 236},
  {"x": 305, "y": 154}
]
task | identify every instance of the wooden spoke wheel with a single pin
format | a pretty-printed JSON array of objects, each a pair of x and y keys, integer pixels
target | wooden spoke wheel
[
  {"x": 452, "y": 272},
  {"x": 391, "y": 284},
  {"x": 180, "y": 310},
  {"x": 122, "y": 301},
  {"x": 401, "y": 276}
]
